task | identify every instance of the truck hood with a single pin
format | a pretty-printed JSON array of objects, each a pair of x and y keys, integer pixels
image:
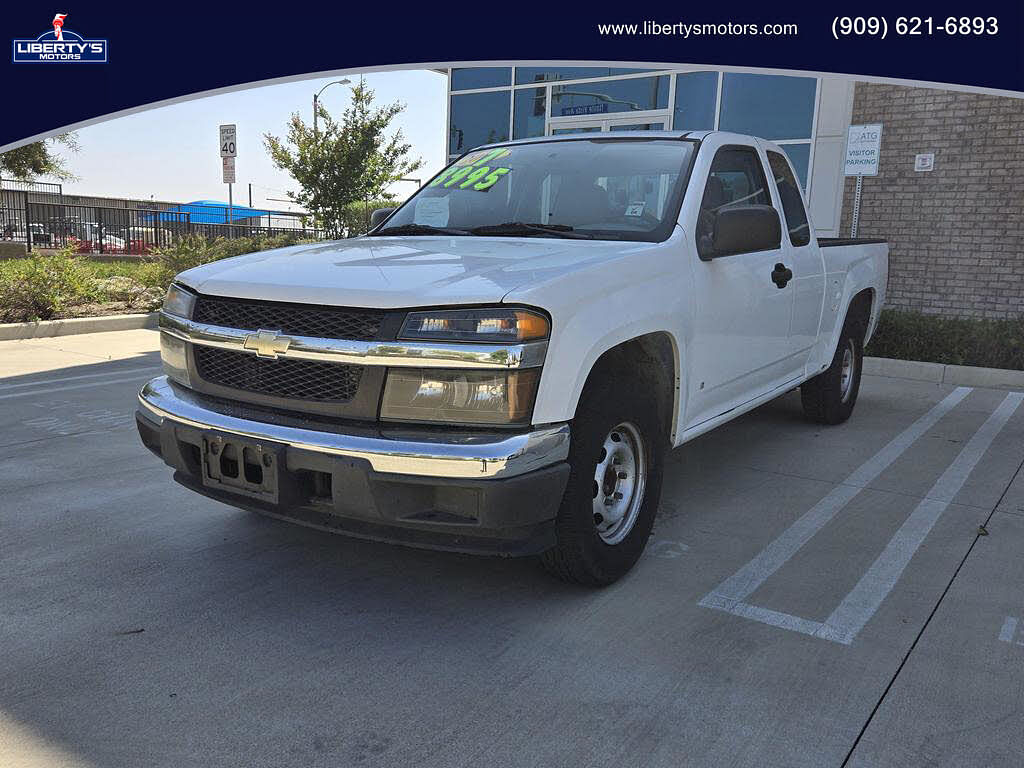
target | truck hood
[{"x": 397, "y": 272}]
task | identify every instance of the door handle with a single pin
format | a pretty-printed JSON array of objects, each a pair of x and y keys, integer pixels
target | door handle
[{"x": 781, "y": 275}]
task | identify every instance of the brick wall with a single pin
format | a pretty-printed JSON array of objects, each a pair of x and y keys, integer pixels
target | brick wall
[{"x": 956, "y": 234}]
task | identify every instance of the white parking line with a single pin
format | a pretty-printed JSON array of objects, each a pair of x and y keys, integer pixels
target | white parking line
[
  {"x": 775, "y": 555},
  {"x": 61, "y": 380},
  {"x": 860, "y": 604},
  {"x": 857, "y": 608},
  {"x": 1009, "y": 629},
  {"x": 103, "y": 383}
]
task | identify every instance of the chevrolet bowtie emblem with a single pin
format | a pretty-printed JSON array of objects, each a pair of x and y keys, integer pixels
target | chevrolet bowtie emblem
[{"x": 267, "y": 343}]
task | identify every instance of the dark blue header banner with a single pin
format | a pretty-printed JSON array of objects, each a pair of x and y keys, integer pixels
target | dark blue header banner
[{"x": 76, "y": 63}]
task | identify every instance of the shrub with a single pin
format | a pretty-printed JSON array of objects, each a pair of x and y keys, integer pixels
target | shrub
[
  {"x": 48, "y": 285},
  {"x": 194, "y": 250},
  {"x": 356, "y": 217},
  {"x": 42, "y": 286},
  {"x": 950, "y": 340}
]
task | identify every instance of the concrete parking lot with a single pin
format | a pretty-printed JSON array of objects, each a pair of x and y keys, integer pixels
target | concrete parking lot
[{"x": 810, "y": 597}]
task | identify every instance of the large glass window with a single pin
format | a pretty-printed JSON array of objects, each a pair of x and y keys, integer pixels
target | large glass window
[
  {"x": 531, "y": 108},
  {"x": 769, "y": 106},
  {"x": 696, "y": 96},
  {"x": 634, "y": 94},
  {"x": 792, "y": 204},
  {"x": 480, "y": 77},
  {"x": 607, "y": 189},
  {"x": 800, "y": 157},
  {"x": 477, "y": 118},
  {"x": 527, "y": 75}
]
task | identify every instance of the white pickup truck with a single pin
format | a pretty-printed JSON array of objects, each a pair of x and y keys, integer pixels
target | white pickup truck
[{"x": 500, "y": 365}]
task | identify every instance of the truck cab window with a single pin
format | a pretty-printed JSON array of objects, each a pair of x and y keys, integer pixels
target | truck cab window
[
  {"x": 736, "y": 179},
  {"x": 792, "y": 204}
]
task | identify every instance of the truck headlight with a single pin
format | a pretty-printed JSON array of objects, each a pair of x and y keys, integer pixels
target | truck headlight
[
  {"x": 179, "y": 302},
  {"x": 498, "y": 324},
  {"x": 174, "y": 356},
  {"x": 466, "y": 397}
]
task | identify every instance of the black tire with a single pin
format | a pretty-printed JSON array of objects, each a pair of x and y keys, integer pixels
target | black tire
[
  {"x": 581, "y": 555},
  {"x": 828, "y": 398}
]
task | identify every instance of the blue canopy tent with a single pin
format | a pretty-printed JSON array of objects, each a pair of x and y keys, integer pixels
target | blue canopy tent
[{"x": 211, "y": 212}]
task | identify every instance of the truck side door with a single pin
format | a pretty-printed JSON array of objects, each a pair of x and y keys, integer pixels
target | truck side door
[
  {"x": 808, "y": 284},
  {"x": 740, "y": 344}
]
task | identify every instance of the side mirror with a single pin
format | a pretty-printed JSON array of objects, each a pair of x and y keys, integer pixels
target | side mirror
[
  {"x": 744, "y": 229},
  {"x": 379, "y": 215}
]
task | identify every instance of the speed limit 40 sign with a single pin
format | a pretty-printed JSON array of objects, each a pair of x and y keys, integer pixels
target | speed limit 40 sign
[{"x": 228, "y": 145}]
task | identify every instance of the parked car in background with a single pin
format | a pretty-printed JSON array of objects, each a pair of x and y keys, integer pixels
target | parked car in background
[
  {"x": 90, "y": 237},
  {"x": 502, "y": 363}
]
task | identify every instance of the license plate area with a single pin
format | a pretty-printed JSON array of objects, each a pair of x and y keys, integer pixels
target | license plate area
[{"x": 246, "y": 467}]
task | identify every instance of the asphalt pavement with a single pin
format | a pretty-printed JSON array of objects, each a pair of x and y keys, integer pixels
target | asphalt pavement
[{"x": 811, "y": 596}]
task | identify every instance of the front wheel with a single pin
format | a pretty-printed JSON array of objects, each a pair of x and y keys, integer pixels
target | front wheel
[
  {"x": 829, "y": 397},
  {"x": 616, "y": 463}
]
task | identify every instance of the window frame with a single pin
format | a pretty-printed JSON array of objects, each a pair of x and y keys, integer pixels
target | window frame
[
  {"x": 768, "y": 152},
  {"x": 673, "y": 73},
  {"x": 768, "y": 192}
]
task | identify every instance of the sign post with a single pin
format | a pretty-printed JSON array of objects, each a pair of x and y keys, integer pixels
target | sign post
[
  {"x": 863, "y": 147},
  {"x": 228, "y": 153}
]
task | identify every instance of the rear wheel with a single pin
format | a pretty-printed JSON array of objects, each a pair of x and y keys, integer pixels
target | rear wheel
[
  {"x": 829, "y": 397},
  {"x": 616, "y": 460}
]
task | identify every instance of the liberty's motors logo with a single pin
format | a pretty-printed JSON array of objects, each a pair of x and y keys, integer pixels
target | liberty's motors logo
[{"x": 60, "y": 45}]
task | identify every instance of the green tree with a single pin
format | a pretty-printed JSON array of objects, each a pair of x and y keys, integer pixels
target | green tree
[
  {"x": 347, "y": 161},
  {"x": 38, "y": 159}
]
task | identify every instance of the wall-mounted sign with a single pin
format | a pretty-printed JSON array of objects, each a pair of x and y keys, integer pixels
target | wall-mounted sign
[
  {"x": 924, "y": 162},
  {"x": 863, "y": 147},
  {"x": 585, "y": 109}
]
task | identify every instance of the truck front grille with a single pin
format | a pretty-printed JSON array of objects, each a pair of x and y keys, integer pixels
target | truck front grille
[
  {"x": 293, "y": 379},
  {"x": 290, "y": 319}
]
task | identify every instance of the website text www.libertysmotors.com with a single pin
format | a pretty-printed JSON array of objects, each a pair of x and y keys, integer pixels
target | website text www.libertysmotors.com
[{"x": 684, "y": 30}]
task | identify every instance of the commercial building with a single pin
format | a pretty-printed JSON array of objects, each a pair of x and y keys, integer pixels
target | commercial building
[{"x": 956, "y": 231}]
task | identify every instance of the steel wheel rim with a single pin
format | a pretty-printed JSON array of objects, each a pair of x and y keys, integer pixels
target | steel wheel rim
[
  {"x": 620, "y": 479},
  {"x": 846, "y": 372}
]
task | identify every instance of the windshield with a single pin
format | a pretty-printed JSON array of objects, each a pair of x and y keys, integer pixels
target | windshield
[{"x": 608, "y": 189}]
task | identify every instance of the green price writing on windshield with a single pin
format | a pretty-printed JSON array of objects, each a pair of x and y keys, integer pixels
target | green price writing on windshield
[{"x": 471, "y": 173}]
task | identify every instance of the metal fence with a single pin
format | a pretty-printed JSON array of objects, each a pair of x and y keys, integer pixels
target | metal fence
[
  {"x": 41, "y": 219},
  {"x": 31, "y": 186}
]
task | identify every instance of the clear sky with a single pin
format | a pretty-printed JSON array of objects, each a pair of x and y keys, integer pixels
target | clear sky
[{"x": 171, "y": 153}]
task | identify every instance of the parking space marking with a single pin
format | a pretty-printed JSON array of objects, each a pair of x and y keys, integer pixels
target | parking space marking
[
  {"x": 863, "y": 600},
  {"x": 47, "y": 391},
  {"x": 101, "y": 419},
  {"x": 62, "y": 379},
  {"x": 1009, "y": 629},
  {"x": 752, "y": 575},
  {"x": 861, "y": 603}
]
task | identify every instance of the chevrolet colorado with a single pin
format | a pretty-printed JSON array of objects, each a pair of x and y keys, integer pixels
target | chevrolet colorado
[{"x": 501, "y": 364}]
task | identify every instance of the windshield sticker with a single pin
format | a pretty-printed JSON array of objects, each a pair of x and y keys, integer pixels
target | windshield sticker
[
  {"x": 635, "y": 209},
  {"x": 431, "y": 211},
  {"x": 471, "y": 173}
]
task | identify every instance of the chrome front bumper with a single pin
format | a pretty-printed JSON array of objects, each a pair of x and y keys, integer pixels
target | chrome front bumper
[{"x": 427, "y": 453}]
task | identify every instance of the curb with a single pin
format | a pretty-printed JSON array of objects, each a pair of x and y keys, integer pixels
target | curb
[
  {"x": 44, "y": 329},
  {"x": 939, "y": 373}
]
